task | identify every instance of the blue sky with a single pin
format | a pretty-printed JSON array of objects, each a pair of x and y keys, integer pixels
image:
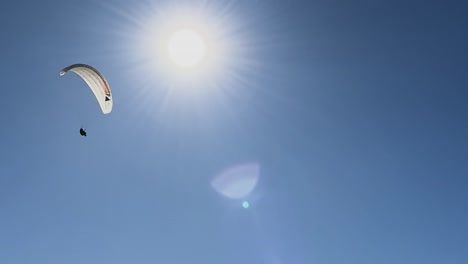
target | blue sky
[{"x": 355, "y": 112}]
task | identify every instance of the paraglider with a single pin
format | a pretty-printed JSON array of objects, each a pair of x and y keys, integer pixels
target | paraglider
[
  {"x": 96, "y": 82},
  {"x": 83, "y": 132}
]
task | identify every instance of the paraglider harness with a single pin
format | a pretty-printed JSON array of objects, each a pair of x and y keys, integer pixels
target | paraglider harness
[{"x": 83, "y": 132}]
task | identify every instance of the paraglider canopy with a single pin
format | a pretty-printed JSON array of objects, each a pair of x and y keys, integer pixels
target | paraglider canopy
[{"x": 96, "y": 82}]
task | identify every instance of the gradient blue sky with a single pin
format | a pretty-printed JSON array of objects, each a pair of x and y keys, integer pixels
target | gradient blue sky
[{"x": 355, "y": 111}]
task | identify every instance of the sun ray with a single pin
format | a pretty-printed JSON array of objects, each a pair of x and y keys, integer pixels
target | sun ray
[{"x": 225, "y": 73}]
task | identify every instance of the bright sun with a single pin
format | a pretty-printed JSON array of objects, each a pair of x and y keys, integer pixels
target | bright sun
[{"x": 186, "y": 48}]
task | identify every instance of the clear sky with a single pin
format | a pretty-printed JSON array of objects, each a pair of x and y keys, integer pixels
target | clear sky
[{"x": 343, "y": 124}]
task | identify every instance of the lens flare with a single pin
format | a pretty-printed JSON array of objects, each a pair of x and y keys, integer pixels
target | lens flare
[{"x": 237, "y": 182}]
